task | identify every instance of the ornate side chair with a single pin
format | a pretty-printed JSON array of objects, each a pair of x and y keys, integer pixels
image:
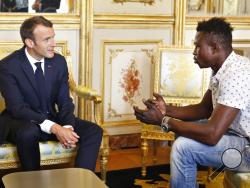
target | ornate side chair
[{"x": 52, "y": 152}]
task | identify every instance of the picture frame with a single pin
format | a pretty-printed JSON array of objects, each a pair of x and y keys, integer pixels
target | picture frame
[
  {"x": 230, "y": 7},
  {"x": 150, "y": 2},
  {"x": 198, "y": 7},
  {"x": 177, "y": 78},
  {"x": 134, "y": 7},
  {"x": 132, "y": 80}
]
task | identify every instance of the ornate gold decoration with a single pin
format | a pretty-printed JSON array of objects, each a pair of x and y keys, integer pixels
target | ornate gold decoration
[
  {"x": 112, "y": 112},
  {"x": 180, "y": 19},
  {"x": 114, "y": 54},
  {"x": 151, "y": 54},
  {"x": 153, "y": 184},
  {"x": 195, "y": 4},
  {"x": 150, "y": 2}
]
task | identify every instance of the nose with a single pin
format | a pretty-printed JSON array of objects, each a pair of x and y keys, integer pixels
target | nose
[
  {"x": 194, "y": 52},
  {"x": 52, "y": 42}
]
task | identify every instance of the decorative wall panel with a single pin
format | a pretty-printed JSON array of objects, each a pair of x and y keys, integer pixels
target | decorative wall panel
[
  {"x": 128, "y": 68},
  {"x": 197, "y": 7},
  {"x": 100, "y": 35},
  {"x": 147, "y": 7}
]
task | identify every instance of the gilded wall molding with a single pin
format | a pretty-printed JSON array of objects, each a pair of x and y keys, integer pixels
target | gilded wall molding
[
  {"x": 134, "y": 26},
  {"x": 180, "y": 14},
  {"x": 85, "y": 75},
  {"x": 133, "y": 19},
  {"x": 150, "y": 2},
  {"x": 239, "y": 22},
  {"x": 60, "y": 21}
]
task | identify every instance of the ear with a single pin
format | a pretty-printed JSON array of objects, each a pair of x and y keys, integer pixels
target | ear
[
  {"x": 215, "y": 47},
  {"x": 29, "y": 43}
]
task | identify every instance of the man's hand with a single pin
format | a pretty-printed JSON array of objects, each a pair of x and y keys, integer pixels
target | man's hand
[
  {"x": 159, "y": 103},
  {"x": 152, "y": 115},
  {"x": 66, "y": 136}
]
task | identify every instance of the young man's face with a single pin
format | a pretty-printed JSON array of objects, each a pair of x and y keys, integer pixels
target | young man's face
[
  {"x": 43, "y": 43},
  {"x": 203, "y": 52}
]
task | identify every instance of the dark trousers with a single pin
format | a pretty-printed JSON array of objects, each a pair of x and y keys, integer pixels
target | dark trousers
[{"x": 27, "y": 135}]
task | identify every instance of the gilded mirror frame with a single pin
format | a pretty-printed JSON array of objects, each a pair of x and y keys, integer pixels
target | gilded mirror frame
[{"x": 12, "y": 20}]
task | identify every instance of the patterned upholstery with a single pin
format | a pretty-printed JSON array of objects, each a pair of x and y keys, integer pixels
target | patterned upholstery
[{"x": 51, "y": 153}]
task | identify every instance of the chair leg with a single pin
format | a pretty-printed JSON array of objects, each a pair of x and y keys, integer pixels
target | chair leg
[
  {"x": 144, "y": 148},
  {"x": 104, "y": 157}
]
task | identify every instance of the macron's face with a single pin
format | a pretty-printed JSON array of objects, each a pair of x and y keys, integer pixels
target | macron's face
[{"x": 44, "y": 42}]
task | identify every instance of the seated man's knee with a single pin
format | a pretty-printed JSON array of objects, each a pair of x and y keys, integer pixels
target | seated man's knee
[
  {"x": 29, "y": 132},
  {"x": 99, "y": 131},
  {"x": 180, "y": 147}
]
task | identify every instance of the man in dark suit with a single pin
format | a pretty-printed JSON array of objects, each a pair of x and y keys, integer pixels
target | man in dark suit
[
  {"x": 46, "y": 5},
  {"x": 34, "y": 84}
]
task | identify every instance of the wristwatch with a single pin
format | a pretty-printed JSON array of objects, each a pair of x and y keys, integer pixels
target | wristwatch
[{"x": 164, "y": 123}]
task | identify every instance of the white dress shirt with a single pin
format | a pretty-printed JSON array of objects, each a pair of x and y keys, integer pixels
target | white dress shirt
[{"x": 46, "y": 124}]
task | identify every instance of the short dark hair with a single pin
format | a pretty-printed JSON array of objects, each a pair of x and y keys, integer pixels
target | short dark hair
[
  {"x": 28, "y": 26},
  {"x": 217, "y": 29}
]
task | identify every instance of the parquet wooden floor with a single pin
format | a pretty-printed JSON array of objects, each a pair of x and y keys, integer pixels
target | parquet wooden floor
[{"x": 129, "y": 158}]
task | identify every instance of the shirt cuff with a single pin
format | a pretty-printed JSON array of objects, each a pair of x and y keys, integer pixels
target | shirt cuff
[
  {"x": 46, "y": 125},
  {"x": 68, "y": 126}
]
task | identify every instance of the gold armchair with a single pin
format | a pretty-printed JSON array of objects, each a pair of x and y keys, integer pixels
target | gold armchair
[{"x": 52, "y": 152}]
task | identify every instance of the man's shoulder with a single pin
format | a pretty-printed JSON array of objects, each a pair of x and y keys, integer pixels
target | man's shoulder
[{"x": 13, "y": 57}]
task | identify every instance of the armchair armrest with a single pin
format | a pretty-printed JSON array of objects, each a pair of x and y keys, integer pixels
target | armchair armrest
[
  {"x": 91, "y": 94},
  {"x": 87, "y": 93}
]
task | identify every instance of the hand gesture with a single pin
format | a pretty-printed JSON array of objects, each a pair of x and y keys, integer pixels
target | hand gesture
[
  {"x": 151, "y": 115},
  {"x": 66, "y": 136},
  {"x": 159, "y": 103}
]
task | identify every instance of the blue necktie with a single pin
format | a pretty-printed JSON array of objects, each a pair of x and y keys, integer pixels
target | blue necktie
[{"x": 41, "y": 87}]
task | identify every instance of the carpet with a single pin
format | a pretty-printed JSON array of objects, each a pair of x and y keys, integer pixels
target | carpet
[
  {"x": 131, "y": 178},
  {"x": 157, "y": 177}
]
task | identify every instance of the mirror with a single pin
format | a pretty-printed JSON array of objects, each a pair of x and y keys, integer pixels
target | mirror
[
  {"x": 219, "y": 7},
  {"x": 39, "y": 6}
]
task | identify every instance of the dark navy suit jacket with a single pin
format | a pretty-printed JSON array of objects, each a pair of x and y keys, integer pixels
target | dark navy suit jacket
[{"x": 18, "y": 87}]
